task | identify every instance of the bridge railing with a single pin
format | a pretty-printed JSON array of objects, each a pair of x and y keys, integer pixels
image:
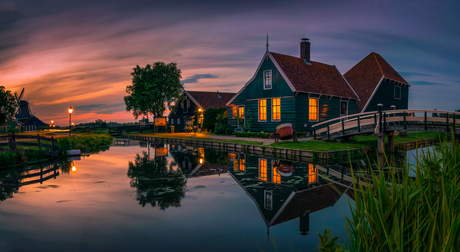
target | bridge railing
[{"x": 375, "y": 122}]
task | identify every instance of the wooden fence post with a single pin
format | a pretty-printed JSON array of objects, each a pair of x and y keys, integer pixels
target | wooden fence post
[
  {"x": 426, "y": 127},
  {"x": 39, "y": 143},
  {"x": 405, "y": 127},
  {"x": 359, "y": 124},
  {"x": 447, "y": 123}
]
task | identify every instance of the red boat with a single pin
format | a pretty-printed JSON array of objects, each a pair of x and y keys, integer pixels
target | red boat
[
  {"x": 284, "y": 168},
  {"x": 284, "y": 131}
]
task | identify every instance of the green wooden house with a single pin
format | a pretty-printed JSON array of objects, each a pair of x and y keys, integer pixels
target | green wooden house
[
  {"x": 288, "y": 89},
  {"x": 376, "y": 81}
]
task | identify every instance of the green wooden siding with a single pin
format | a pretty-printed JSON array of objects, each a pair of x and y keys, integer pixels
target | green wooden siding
[{"x": 385, "y": 96}]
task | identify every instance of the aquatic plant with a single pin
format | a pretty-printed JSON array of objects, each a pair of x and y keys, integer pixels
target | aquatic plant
[{"x": 403, "y": 213}]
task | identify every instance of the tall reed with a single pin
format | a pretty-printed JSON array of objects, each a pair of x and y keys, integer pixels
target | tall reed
[{"x": 403, "y": 213}]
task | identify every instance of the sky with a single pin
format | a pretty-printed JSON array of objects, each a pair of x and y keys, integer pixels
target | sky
[{"x": 80, "y": 53}]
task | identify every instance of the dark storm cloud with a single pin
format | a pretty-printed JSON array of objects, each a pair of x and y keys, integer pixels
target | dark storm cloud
[{"x": 196, "y": 77}]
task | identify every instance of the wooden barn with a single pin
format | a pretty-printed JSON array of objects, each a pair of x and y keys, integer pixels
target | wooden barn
[
  {"x": 288, "y": 89},
  {"x": 188, "y": 111},
  {"x": 375, "y": 81}
]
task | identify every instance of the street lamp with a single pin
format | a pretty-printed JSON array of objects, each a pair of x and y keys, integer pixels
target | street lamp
[
  {"x": 70, "y": 118},
  {"x": 199, "y": 118}
]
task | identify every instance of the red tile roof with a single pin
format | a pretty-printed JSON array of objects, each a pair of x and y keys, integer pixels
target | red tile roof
[
  {"x": 210, "y": 99},
  {"x": 365, "y": 76},
  {"x": 315, "y": 77}
]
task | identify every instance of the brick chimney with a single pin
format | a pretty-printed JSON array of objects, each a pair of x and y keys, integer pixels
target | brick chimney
[{"x": 305, "y": 50}]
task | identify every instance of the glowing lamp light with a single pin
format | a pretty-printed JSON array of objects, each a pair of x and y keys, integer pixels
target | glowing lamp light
[
  {"x": 201, "y": 160},
  {"x": 73, "y": 124},
  {"x": 52, "y": 121},
  {"x": 199, "y": 109},
  {"x": 70, "y": 110},
  {"x": 74, "y": 169}
]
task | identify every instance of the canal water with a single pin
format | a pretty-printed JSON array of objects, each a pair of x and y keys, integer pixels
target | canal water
[{"x": 149, "y": 197}]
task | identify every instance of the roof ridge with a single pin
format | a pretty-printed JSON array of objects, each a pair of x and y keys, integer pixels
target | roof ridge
[{"x": 378, "y": 64}]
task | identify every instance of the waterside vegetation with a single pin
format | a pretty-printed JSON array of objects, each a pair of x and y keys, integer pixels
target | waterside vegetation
[{"x": 403, "y": 213}]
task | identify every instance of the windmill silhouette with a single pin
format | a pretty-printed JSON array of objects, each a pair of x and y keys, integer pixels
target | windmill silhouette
[{"x": 24, "y": 115}]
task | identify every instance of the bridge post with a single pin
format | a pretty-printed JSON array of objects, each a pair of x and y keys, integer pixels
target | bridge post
[
  {"x": 405, "y": 127},
  {"x": 391, "y": 141},
  {"x": 384, "y": 121},
  {"x": 328, "y": 131},
  {"x": 447, "y": 123},
  {"x": 454, "y": 122},
  {"x": 343, "y": 128},
  {"x": 314, "y": 133},
  {"x": 359, "y": 125},
  {"x": 380, "y": 142},
  {"x": 426, "y": 127}
]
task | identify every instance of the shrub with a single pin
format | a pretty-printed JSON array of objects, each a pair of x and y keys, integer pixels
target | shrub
[
  {"x": 253, "y": 134},
  {"x": 229, "y": 130}
]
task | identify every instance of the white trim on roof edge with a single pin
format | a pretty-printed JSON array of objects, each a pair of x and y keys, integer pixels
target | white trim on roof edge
[
  {"x": 193, "y": 99},
  {"x": 348, "y": 83},
  {"x": 254, "y": 76},
  {"x": 372, "y": 95}
]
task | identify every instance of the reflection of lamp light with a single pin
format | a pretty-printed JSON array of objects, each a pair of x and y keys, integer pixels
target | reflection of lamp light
[
  {"x": 201, "y": 160},
  {"x": 52, "y": 121},
  {"x": 70, "y": 117},
  {"x": 74, "y": 169}
]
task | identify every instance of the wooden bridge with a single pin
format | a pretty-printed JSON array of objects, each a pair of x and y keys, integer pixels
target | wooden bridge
[
  {"x": 11, "y": 141},
  {"x": 34, "y": 176},
  {"x": 387, "y": 123}
]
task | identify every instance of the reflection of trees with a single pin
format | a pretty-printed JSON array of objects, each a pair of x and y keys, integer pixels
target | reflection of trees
[
  {"x": 8, "y": 178},
  {"x": 157, "y": 183}
]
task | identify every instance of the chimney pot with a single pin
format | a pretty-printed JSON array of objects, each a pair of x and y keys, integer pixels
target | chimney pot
[{"x": 305, "y": 50}]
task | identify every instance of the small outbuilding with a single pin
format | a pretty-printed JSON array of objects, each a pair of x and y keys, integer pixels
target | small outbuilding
[{"x": 377, "y": 82}]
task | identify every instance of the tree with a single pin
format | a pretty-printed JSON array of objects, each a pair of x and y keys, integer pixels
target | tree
[
  {"x": 153, "y": 87},
  {"x": 8, "y": 105},
  {"x": 210, "y": 115}
]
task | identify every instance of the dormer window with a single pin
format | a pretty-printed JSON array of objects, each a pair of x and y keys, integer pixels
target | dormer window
[{"x": 268, "y": 79}]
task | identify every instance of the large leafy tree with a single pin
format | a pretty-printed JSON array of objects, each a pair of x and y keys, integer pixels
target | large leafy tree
[
  {"x": 8, "y": 105},
  {"x": 153, "y": 88}
]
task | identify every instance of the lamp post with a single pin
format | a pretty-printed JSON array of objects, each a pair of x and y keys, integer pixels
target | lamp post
[
  {"x": 199, "y": 118},
  {"x": 70, "y": 118}
]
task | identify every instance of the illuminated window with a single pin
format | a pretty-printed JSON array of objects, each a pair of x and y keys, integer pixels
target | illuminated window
[
  {"x": 241, "y": 112},
  {"x": 234, "y": 111},
  {"x": 242, "y": 166},
  {"x": 263, "y": 169},
  {"x": 312, "y": 176},
  {"x": 276, "y": 176},
  {"x": 172, "y": 121},
  {"x": 268, "y": 79},
  {"x": 263, "y": 110},
  {"x": 313, "y": 109},
  {"x": 235, "y": 165},
  {"x": 276, "y": 109}
]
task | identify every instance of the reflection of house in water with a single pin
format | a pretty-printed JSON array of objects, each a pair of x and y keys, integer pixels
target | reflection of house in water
[
  {"x": 281, "y": 190},
  {"x": 197, "y": 162}
]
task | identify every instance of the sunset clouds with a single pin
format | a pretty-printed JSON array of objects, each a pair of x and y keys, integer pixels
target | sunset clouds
[{"x": 81, "y": 53}]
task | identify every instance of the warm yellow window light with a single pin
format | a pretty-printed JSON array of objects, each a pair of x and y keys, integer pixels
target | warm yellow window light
[
  {"x": 313, "y": 110},
  {"x": 262, "y": 110},
  {"x": 276, "y": 109}
]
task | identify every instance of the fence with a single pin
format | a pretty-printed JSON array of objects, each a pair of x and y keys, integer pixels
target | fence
[{"x": 11, "y": 141}]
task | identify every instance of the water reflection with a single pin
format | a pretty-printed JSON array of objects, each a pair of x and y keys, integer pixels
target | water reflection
[
  {"x": 282, "y": 190},
  {"x": 12, "y": 180},
  {"x": 158, "y": 182}
]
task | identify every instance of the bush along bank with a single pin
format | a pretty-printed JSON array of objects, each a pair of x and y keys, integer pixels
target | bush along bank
[{"x": 92, "y": 143}]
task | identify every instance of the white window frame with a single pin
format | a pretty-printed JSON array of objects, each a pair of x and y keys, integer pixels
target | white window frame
[
  {"x": 399, "y": 92},
  {"x": 258, "y": 110},
  {"x": 272, "y": 111},
  {"x": 185, "y": 107},
  {"x": 178, "y": 120},
  {"x": 188, "y": 103},
  {"x": 171, "y": 121},
  {"x": 271, "y": 79},
  {"x": 266, "y": 205},
  {"x": 317, "y": 111}
]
